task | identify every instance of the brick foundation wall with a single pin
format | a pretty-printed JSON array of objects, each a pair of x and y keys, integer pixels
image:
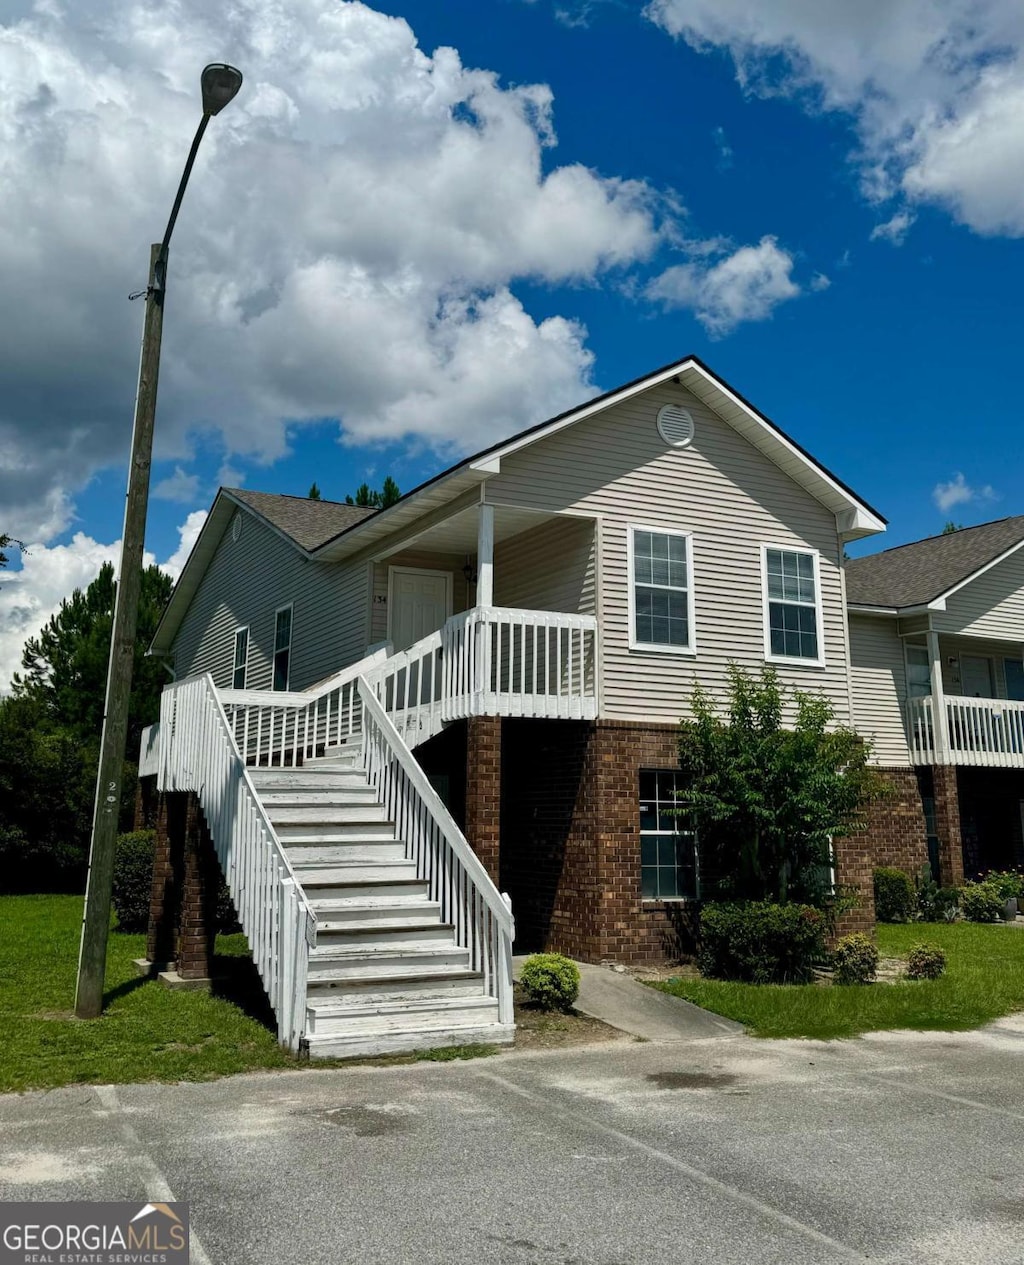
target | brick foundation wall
[
  {"x": 947, "y": 824},
  {"x": 483, "y": 790},
  {"x": 186, "y": 880}
]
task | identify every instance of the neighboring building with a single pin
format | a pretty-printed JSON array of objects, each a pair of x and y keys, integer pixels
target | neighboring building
[{"x": 936, "y": 643}]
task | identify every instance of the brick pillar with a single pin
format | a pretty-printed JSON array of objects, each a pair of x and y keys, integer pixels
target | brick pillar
[
  {"x": 146, "y": 804},
  {"x": 947, "y": 825},
  {"x": 483, "y": 790},
  {"x": 200, "y": 881},
  {"x": 165, "y": 894}
]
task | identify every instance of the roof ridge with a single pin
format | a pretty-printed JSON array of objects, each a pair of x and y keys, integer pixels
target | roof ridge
[
  {"x": 313, "y": 500},
  {"x": 923, "y": 540}
]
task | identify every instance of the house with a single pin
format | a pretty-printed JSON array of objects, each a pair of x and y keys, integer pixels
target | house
[
  {"x": 389, "y": 718},
  {"x": 936, "y": 643}
]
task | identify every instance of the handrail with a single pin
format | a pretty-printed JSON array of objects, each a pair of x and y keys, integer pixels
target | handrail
[
  {"x": 987, "y": 732},
  {"x": 278, "y": 920},
  {"x": 481, "y": 917}
]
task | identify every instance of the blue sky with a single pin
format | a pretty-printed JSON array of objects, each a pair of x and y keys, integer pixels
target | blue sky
[{"x": 822, "y": 207}]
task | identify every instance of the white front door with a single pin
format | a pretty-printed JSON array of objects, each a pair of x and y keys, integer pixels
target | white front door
[
  {"x": 976, "y": 676},
  {"x": 418, "y": 604}
]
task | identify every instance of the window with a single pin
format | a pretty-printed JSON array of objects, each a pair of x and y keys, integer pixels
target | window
[
  {"x": 282, "y": 647},
  {"x": 661, "y": 586},
  {"x": 668, "y": 848},
  {"x": 919, "y": 672},
  {"x": 1014, "y": 670},
  {"x": 793, "y": 612},
  {"x": 241, "y": 659}
]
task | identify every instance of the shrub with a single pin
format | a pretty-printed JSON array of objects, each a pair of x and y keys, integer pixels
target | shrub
[
  {"x": 935, "y": 903},
  {"x": 1008, "y": 883},
  {"x": 133, "y": 879},
  {"x": 925, "y": 961},
  {"x": 855, "y": 960},
  {"x": 551, "y": 981},
  {"x": 760, "y": 942},
  {"x": 895, "y": 898},
  {"x": 981, "y": 902}
]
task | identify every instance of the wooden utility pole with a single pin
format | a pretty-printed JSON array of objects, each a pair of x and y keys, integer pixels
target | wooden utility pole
[{"x": 92, "y": 958}]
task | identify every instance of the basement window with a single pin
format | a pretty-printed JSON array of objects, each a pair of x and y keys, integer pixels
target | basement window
[{"x": 668, "y": 845}]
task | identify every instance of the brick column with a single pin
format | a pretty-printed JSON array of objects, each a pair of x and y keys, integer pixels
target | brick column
[
  {"x": 165, "y": 894},
  {"x": 947, "y": 825},
  {"x": 200, "y": 880},
  {"x": 483, "y": 790}
]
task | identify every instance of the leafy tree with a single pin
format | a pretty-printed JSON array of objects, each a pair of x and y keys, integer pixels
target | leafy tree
[
  {"x": 951, "y": 527},
  {"x": 372, "y": 499},
  {"x": 767, "y": 800},
  {"x": 6, "y": 540},
  {"x": 314, "y": 492}
]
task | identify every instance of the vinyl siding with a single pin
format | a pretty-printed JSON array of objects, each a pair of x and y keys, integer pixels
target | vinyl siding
[
  {"x": 950, "y": 649},
  {"x": 548, "y": 568},
  {"x": 878, "y": 674},
  {"x": 245, "y": 584},
  {"x": 731, "y": 497},
  {"x": 990, "y": 606},
  {"x": 422, "y": 560}
]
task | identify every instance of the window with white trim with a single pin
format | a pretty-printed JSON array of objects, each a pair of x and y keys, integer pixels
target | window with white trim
[
  {"x": 661, "y": 589},
  {"x": 668, "y": 847},
  {"x": 241, "y": 658},
  {"x": 919, "y": 672},
  {"x": 282, "y": 647},
  {"x": 792, "y": 604}
]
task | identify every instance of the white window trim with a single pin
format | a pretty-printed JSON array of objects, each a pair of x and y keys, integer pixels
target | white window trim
[
  {"x": 671, "y": 900},
  {"x": 245, "y": 662},
  {"x": 288, "y": 606},
  {"x": 819, "y": 622},
  {"x": 651, "y": 647}
]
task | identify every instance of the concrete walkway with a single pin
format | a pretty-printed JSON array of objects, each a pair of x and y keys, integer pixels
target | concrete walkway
[{"x": 621, "y": 1002}]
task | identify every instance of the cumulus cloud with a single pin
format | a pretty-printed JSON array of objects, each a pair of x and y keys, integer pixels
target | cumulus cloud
[
  {"x": 959, "y": 492},
  {"x": 895, "y": 229},
  {"x": 178, "y": 486},
  {"x": 746, "y": 285},
  {"x": 30, "y": 596},
  {"x": 936, "y": 87},
  {"x": 348, "y": 247}
]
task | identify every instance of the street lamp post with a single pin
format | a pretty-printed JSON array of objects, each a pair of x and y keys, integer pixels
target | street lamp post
[{"x": 220, "y": 83}]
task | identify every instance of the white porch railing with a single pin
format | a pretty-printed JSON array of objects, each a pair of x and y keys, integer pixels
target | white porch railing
[
  {"x": 503, "y": 662},
  {"x": 481, "y": 917},
  {"x": 988, "y": 732},
  {"x": 410, "y": 688},
  {"x": 198, "y": 753}
]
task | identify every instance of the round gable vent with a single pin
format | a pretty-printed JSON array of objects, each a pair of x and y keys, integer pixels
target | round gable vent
[
  {"x": 675, "y": 425},
  {"x": 236, "y": 526}
]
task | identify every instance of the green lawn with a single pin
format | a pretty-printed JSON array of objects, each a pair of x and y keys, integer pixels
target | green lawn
[
  {"x": 147, "y": 1032},
  {"x": 984, "y": 979}
]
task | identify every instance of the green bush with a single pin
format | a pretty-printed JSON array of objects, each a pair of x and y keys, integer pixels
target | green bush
[
  {"x": 981, "y": 902},
  {"x": 1009, "y": 883},
  {"x": 133, "y": 879},
  {"x": 761, "y": 943},
  {"x": 551, "y": 981},
  {"x": 925, "y": 961},
  {"x": 895, "y": 898},
  {"x": 855, "y": 960},
  {"x": 935, "y": 903}
]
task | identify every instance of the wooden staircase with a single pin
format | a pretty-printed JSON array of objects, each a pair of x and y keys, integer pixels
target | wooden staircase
[{"x": 385, "y": 973}]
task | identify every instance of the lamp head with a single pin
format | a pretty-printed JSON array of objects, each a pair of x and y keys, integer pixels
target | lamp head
[{"x": 220, "y": 85}]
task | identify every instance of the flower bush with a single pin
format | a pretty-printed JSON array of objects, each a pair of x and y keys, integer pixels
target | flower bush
[
  {"x": 925, "y": 961},
  {"x": 981, "y": 902},
  {"x": 855, "y": 960}
]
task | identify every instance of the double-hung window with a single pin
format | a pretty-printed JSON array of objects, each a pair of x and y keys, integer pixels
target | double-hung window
[
  {"x": 241, "y": 658},
  {"x": 792, "y": 598},
  {"x": 668, "y": 846},
  {"x": 919, "y": 672},
  {"x": 282, "y": 647},
  {"x": 660, "y": 590}
]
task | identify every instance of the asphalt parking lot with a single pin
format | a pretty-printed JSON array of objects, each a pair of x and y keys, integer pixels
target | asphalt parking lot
[{"x": 901, "y": 1148}]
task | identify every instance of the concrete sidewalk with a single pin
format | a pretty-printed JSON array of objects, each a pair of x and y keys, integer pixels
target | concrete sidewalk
[{"x": 621, "y": 1002}]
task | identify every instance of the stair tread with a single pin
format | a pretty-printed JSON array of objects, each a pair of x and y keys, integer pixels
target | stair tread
[
  {"x": 369, "y": 952},
  {"x": 331, "y": 1006},
  {"x": 365, "y": 984},
  {"x": 341, "y": 903},
  {"x": 352, "y": 1045},
  {"x": 375, "y": 928}
]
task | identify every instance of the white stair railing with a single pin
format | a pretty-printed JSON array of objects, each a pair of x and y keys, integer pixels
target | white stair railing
[
  {"x": 280, "y": 728},
  {"x": 198, "y": 753},
  {"x": 470, "y": 903},
  {"x": 409, "y": 686}
]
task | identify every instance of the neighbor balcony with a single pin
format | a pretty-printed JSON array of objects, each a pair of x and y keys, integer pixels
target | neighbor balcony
[{"x": 987, "y": 732}]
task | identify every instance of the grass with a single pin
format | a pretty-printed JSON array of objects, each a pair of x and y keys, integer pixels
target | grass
[
  {"x": 147, "y": 1032},
  {"x": 984, "y": 980}
]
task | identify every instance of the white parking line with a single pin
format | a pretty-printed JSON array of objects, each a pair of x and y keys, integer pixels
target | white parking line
[{"x": 156, "y": 1185}]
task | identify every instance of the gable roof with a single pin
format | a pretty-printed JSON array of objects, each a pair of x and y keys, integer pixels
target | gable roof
[
  {"x": 308, "y": 523},
  {"x": 927, "y": 570}
]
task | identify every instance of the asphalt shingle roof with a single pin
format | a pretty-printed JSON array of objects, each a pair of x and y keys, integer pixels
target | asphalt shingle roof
[
  {"x": 913, "y": 574},
  {"x": 308, "y": 523}
]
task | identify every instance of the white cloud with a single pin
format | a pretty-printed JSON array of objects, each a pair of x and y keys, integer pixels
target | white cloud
[
  {"x": 819, "y": 283},
  {"x": 936, "y": 87},
  {"x": 348, "y": 246},
  {"x": 746, "y": 285},
  {"x": 178, "y": 486},
  {"x": 959, "y": 492},
  {"x": 894, "y": 230},
  {"x": 29, "y": 597}
]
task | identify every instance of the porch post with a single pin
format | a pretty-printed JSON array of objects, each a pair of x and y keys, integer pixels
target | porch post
[
  {"x": 485, "y": 556},
  {"x": 483, "y": 790},
  {"x": 940, "y": 724}
]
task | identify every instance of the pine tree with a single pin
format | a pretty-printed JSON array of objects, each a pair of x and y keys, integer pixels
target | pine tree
[{"x": 314, "y": 492}]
